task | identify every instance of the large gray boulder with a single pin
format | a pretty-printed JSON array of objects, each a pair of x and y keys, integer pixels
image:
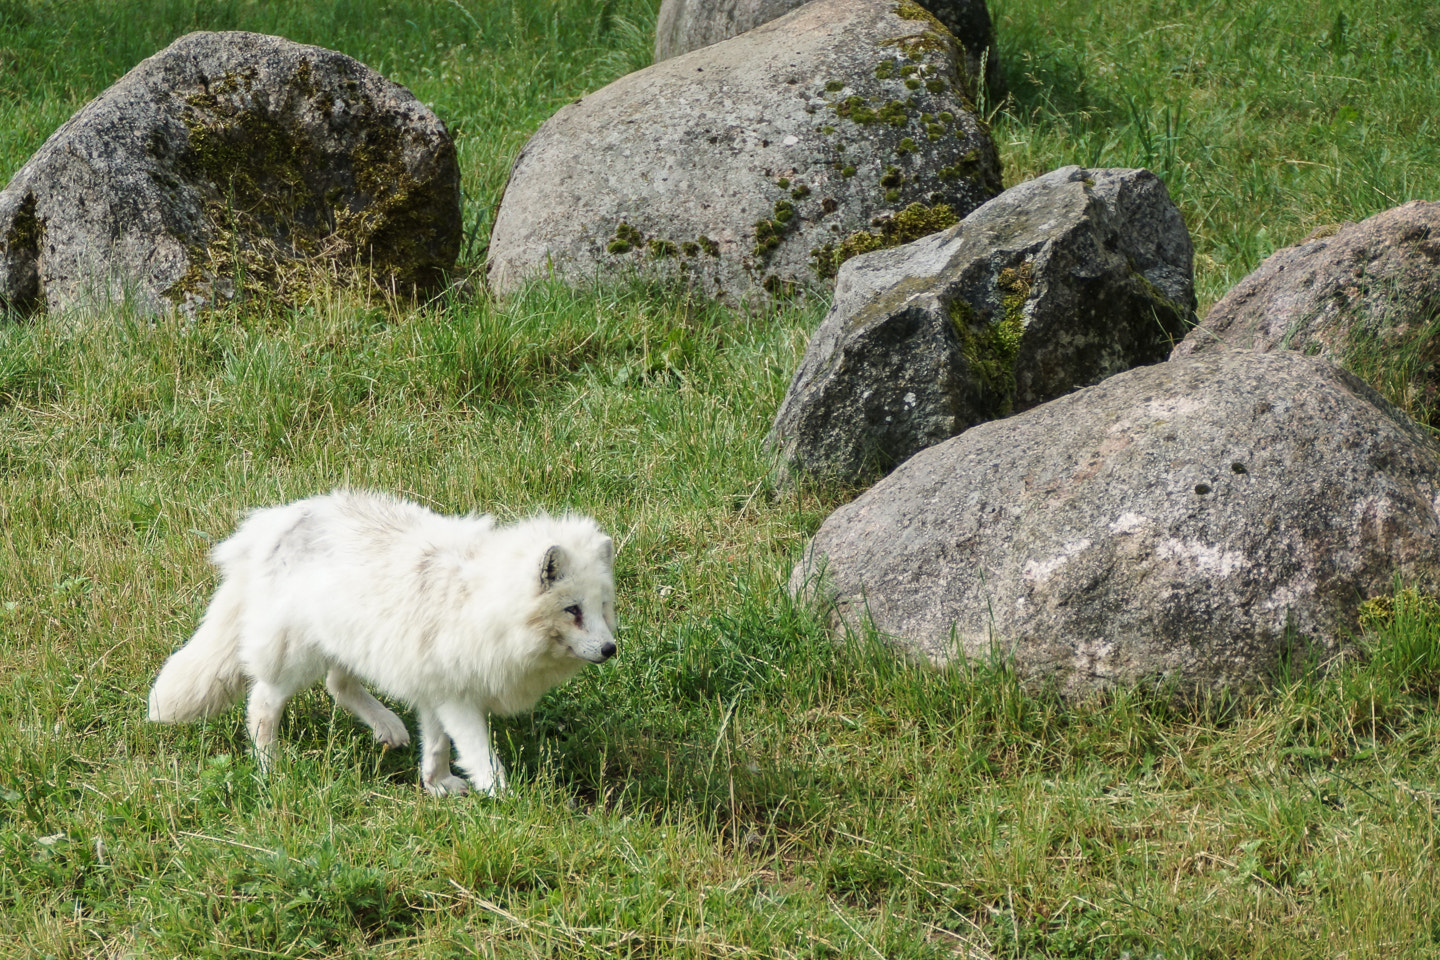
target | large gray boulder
[
  {"x": 231, "y": 156},
  {"x": 1055, "y": 284},
  {"x": 1359, "y": 287},
  {"x": 746, "y": 165},
  {"x": 685, "y": 25},
  {"x": 1195, "y": 522}
]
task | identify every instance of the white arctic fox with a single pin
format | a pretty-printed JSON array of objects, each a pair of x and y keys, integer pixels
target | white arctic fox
[{"x": 453, "y": 615}]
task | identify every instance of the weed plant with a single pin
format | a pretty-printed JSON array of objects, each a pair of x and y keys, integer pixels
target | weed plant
[{"x": 735, "y": 784}]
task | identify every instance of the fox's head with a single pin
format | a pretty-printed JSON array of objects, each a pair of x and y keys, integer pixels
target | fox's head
[{"x": 577, "y": 597}]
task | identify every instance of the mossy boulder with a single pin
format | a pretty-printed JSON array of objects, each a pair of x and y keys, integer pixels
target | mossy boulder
[
  {"x": 1055, "y": 284},
  {"x": 685, "y": 25},
  {"x": 1366, "y": 295},
  {"x": 229, "y": 160},
  {"x": 745, "y": 166},
  {"x": 1199, "y": 523}
]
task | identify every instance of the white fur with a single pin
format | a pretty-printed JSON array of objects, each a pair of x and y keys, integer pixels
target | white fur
[{"x": 453, "y": 615}]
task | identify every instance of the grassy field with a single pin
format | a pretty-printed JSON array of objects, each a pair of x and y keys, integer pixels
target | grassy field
[{"x": 732, "y": 785}]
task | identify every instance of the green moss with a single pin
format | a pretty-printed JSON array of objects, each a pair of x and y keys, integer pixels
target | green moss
[
  {"x": 280, "y": 210},
  {"x": 967, "y": 166},
  {"x": 908, "y": 70},
  {"x": 23, "y": 242},
  {"x": 945, "y": 116},
  {"x": 894, "y": 113},
  {"x": 892, "y": 178},
  {"x": 906, "y": 145},
  {"x": 661, "y": 249},
  {"x": 800, "y": 192},
  {"x": 847, "y": 171},
  {"x": 884, "y": 70},
  {"x": 26, "y": 231},
  {"x": 990, "y": 350},
  {"x": 912, "y": 84},
  {"x": 909, "y": 10},
  {"x": 834, "y": 86},
  {"x": 915, "y": 221},
  {"x": 783, "y": 183},
  {"x": 935, "y": 86},
  {"x": 855, "y": 109},
  {"x": 1155, "y": 293},
  {"x": 626, "y": 238},
  {"x": 689, "y": 248},
  {"x": 709, "y": 246}
]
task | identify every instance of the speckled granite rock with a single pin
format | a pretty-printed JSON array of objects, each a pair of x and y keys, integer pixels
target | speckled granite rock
[
  {"x": 748, "y": 165},
  {"x": 1372, "y": 284},
  {"x": 225, "y": 155},
  {"x": 1193, "y": 522},
  {"x": 1057, "y": 283},
  {"x": 685, "y": 25}
]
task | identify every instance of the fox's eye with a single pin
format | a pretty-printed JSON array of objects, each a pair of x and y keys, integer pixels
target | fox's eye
[{"x": 574, "y": 611}]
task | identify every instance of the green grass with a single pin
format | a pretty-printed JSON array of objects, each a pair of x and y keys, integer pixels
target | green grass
[{"x": 733, "y": 785}]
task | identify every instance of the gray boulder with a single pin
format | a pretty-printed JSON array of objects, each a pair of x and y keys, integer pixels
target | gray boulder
[
  {"x": 746, "y": 165},
  {"x": 1196, "y": 522},
  {"x": 685, "y": 25},
  {"x": 1057, "y": 283},
  {"x": 231, "y": 156},
  {"x": 1368, "y": 286}
]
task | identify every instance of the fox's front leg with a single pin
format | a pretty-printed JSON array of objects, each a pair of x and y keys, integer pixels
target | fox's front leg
[{"x": 467, "y": 726}]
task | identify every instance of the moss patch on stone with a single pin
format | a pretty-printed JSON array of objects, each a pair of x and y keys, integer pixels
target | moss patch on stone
[
  {"x": 280, "y": 209},
  {"x": 771, "y": 230},
  {"x": 1016, "y": 282},
  {"x": 967, "y": 167},
  {"x": 626, "y": 238},
  {"x": 915, "y": 221},
  {"x": 23, "y": 241},
  {"x": 909, "y": 10},
  {"x": 855, "y": 109},
  {"x": 990, "y": 349}
]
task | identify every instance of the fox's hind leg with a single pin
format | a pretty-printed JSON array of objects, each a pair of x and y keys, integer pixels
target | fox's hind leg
[
  {"x": 262, "y": 718},
  {"x": 279, "y": 671},
  {"x": 435, "y": 758},
  {"x": 347, "y": 691}
]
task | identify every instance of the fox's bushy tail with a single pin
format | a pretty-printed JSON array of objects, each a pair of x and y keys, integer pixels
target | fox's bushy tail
[{"x": 204, "y": 677}]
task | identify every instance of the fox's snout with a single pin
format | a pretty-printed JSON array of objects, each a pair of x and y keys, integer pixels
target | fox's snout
[{"x": 594, "y": 652}]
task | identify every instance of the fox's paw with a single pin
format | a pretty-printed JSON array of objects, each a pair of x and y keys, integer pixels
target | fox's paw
[
  {"x": 391, "y": 732},
  {"x": 448, "y": 786}
]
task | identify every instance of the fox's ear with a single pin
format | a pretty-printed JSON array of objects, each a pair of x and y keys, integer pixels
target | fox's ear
[
  {"x": 606, "y": 552},
  {"x": 553, "y": 566}
]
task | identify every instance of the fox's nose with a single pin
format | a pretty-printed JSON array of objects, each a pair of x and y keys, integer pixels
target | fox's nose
[{"x": 607, "y": 650}]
